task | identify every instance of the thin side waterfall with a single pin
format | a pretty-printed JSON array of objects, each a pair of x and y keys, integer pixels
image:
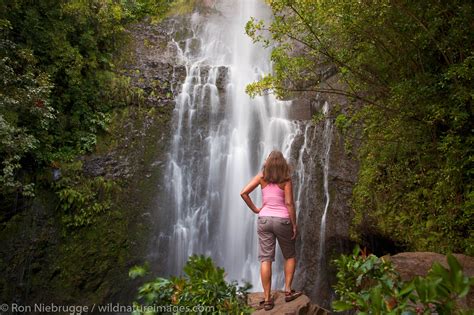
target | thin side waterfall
[
  {"x": 300, "y": 165},
  {"x": 327, "y": 139},
  {"x": 220, "y": 141}
]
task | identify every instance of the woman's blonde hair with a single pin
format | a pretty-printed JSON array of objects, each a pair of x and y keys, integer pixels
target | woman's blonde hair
[{"x": 276, "y": 169}]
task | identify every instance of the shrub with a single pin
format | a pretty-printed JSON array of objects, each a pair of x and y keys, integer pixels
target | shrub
[
  {"x": 203, "y": 285},
  {"x": 370, "y": 285}
]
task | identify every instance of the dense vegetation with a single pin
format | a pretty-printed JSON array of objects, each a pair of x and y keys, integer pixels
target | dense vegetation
[
  {"x": 407, "y": 67},
  {"x": 61, "y": 91},
  {"x": 202, "y": 286},
  {"x": 370, "y": 285},
  {"x": 58, "y": 82}
]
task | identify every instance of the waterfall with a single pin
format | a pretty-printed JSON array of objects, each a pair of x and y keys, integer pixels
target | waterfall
[
  {"x": 221, "y": 138},
  {"x": 327, "y": 139}
]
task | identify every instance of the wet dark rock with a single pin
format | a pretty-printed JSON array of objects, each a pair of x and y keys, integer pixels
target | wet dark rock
[
  {"x": 222, "y": 77},
  {"x": 328, "y": 73},
  {"x": 204, "y": 72},
  {"x": 156, "y": 70},
  {"x": 95, "y": 167},
  {"x": 315, "y": 274},
  {"x": 155, "y": 67}
]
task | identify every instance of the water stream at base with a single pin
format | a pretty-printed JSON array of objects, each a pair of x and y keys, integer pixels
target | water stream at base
[{"x": 220, "y": 141}]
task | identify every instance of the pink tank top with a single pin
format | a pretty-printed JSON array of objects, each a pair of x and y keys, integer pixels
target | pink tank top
[{"x": 273, "y": 202}]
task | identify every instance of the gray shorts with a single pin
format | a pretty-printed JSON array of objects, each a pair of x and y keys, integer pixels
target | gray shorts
[{"x": 270, "y": 229}]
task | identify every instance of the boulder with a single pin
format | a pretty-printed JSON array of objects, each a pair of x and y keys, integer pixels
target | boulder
[
  {"x": 412, "y": 264},
  {"x": 300, "y": 306}
]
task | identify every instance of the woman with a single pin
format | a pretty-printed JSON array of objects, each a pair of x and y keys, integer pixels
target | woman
[{"x": 276, "y": 221}]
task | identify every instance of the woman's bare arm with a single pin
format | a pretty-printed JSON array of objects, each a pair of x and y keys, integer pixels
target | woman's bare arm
[
  {"x": 290, "y": 204},
  {"x": 247, "y": 190}
]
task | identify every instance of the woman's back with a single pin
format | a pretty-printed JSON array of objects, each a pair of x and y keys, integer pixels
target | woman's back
[{"x": 273, "y": 197}]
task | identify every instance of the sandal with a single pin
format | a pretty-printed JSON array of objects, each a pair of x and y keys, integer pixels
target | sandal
[
  {"x": 260, "y": 305},
  {"x": 291, "y": 295},
  {"x": 268, "y": 305}
]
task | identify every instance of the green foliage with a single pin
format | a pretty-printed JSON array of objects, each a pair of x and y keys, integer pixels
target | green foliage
[
  {"x": 203, "y": 285},
  {"x": 318, "y": 117},
  {"x": 180, "y": 7},
  {"x": 156, "y": 9},
  {"x": 25, "y": 112},
  {"x": 407, "y": 67},
  {"x": 370, "y": 285},
  {"x": 260, "y": 87},
  {"x": 58, "y": 79},
  {"x": 342, "y": 122},
  {"x": 138, "y": 271},
  {"x": 82, "y": 199}
]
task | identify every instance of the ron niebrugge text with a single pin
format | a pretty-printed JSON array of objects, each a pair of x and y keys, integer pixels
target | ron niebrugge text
[
  {"x": 50, "y": 308},
  {"x": 105, "y": 308}
]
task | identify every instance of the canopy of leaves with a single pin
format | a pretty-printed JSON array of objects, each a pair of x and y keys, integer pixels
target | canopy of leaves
[
  {"x": 25, "y": 111},
  {"x": 58, "y": 80},
  {"x": 409, "y": 67}
]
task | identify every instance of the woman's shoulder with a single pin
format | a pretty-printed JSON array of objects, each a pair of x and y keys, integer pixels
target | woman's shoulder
[{"x": 283, "y": 184}]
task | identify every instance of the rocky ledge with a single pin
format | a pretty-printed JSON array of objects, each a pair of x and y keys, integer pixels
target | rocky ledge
[{"x": 300, "y": 306}]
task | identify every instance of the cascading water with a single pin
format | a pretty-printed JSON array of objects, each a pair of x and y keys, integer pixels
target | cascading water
[
  {"x": 220, "y": 141},
  {"x": 327, "y": 139}
]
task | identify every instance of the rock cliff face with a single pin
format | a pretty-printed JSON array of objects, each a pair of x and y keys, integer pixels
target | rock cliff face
[{"x": 325, "y": 147}]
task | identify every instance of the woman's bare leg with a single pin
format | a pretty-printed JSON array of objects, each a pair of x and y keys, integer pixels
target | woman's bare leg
[
  {"x": 290, "y": 265},
  {"x": 266, "y": 276}
]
